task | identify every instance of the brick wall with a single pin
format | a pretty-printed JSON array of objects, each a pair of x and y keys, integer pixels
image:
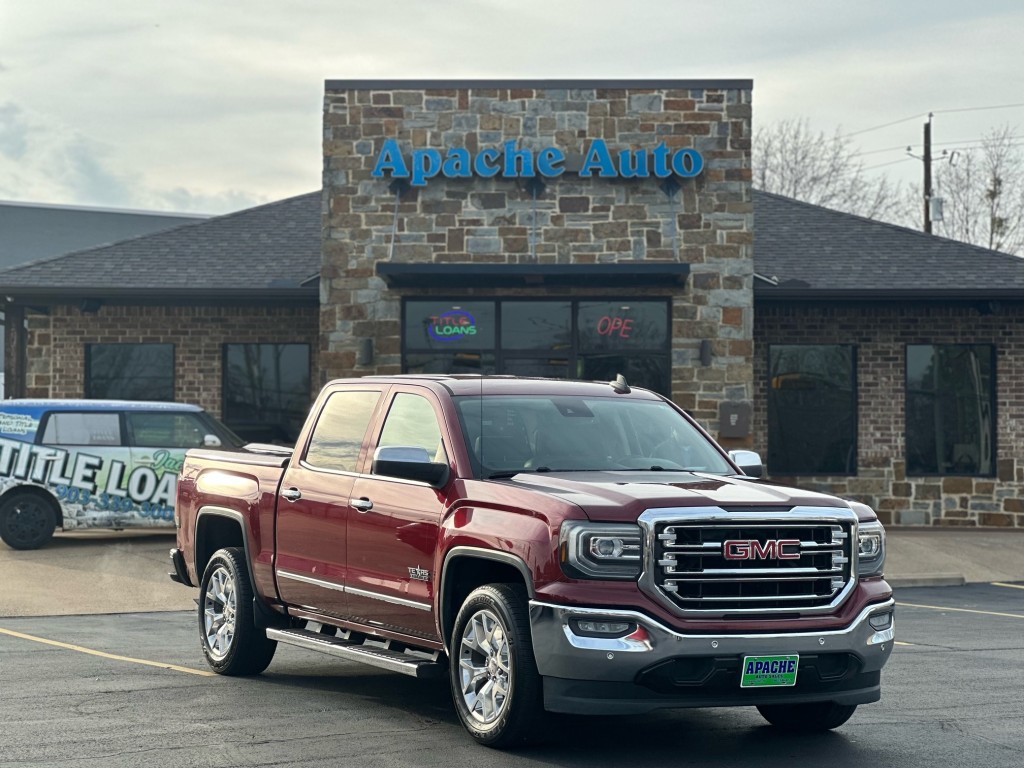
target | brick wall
[
  {"x": 576, "y": 220},
  {"x": 880, "y": 334},
  {"x": 56, "y": 343}
]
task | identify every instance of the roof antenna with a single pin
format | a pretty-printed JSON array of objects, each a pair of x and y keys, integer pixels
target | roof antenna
[{"x": 619, "y": 386}]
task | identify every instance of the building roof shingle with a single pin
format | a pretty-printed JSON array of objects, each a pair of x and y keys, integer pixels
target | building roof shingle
[
  {"x": 818, "y": 253},
  {"x": 272, "y": 249}
]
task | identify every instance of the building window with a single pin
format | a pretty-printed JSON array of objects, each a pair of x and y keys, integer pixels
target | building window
[
  {"x": 812, "y": 410},
  {"x": 950, "y": 409},
  {"x": 266, "y": 390},
  {"x": 553, "y": 338},
  {"x": 130, "y": 371}
]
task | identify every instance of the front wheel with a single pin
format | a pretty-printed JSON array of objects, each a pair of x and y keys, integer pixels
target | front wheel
[
  {"x": 494, "y": 679},
  {"x": 27, "y": 521},
  {"x": 232, "y": 643},
  {"x": 816, "y": 716}
]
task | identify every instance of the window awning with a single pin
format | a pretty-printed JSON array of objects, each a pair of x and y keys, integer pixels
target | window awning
[{"x": 621, "y": 275}]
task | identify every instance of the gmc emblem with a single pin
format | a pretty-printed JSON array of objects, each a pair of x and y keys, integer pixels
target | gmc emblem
[{"x": 752, "y": 549}]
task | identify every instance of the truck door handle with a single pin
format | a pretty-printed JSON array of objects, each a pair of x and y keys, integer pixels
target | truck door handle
[
  {"x": 362, "y": 505},
  {"x": 291, "y": 494}
]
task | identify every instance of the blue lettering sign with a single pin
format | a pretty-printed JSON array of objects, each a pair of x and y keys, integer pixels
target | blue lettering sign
[
  {"x": 599, "y": 159},
  {"x": 426, "y": 164},
  {"x": 513, "y": 162},
  {"x": 390, "y": 159},
  {"x": 458, "y": 164}
]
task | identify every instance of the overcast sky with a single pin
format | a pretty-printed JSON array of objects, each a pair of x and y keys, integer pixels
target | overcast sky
[{"x": 203, "y": 106}]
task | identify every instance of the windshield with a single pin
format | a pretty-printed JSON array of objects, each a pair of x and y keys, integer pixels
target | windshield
[{"x": 538, "y": 433}]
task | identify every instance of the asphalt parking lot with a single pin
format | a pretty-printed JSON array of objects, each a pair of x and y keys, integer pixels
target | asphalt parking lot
[{"x": 130, "y": 689}]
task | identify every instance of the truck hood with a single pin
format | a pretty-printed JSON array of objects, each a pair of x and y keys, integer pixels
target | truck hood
[{"x": 624, "y": 495}]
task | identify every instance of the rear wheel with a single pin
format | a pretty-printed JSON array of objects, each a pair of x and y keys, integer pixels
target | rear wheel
[
  {"x": 494, "y": 679},
  {"x": 27, "y": 521},
  {"x": 816, "y": 716},
  {"x": 231, "y": 641}
]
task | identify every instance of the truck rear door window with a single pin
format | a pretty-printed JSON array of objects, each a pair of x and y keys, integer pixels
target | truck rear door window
[{"x": 338, "y": 435}]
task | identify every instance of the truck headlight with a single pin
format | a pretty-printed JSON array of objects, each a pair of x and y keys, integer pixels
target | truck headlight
[
  {"x": 870, "y": 549},
  {"x": 600, "y": 550}
]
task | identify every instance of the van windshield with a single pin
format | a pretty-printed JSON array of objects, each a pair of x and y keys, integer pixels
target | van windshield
[{"x": 541, "y": 433}]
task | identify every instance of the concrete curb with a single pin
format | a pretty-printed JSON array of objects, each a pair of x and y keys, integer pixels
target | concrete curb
[{"x": 927, "y": 580}]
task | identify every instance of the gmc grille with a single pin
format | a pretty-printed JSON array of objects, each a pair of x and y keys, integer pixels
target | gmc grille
[{"x": 689, "y": 569}]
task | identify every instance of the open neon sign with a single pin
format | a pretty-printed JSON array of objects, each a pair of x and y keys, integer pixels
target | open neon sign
[{"x": 612, "y": 325}]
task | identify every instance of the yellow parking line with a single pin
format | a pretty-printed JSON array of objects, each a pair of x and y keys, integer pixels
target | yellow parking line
[
  {"x": 963, "y": 610},
  {"x": 1008, "y": 586},
  {"x": 114, "y": 656},
  {"x": 900, "y": 642}
]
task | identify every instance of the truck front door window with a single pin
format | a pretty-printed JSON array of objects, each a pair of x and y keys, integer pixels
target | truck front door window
[{"x": 411, "y": 422}]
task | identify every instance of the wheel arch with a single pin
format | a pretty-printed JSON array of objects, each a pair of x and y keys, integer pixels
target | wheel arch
[
  {"x": 466, "y": 568},
  {"x": 220, "y": 527},
  {"x": 44, "y": 493}
]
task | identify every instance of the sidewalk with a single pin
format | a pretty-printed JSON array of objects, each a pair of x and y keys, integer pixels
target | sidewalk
[{"x": 918, "y": 557}]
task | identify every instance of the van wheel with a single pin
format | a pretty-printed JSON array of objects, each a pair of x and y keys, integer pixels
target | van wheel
[
  {"x": 816, "y": 716},
  {"x": 232, "y": 643},
  {"x": 494, "y": 679},
  {"x": 27, "y": 521}
]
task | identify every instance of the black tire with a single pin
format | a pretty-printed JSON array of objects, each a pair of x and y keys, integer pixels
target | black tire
[
  {"x": 509, "y": 714},
  {"x": 232, "y": 643},
  {"x": 816, "y": 716},
  {"x": 27, "y": 521}
]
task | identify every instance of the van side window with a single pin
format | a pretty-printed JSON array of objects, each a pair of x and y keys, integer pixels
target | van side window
[
  {"x": 338, "y": 435},
  {"x": 69, "y": 428},
  {"x": 411, "y": 421},
  {"x": 166, "y": 430}
]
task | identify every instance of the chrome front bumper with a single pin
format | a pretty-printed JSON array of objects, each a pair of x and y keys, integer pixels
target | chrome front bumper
[{"x": 573, "y": 665}]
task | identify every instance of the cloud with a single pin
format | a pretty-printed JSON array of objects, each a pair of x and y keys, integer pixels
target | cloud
[
  {"x": 42, "y": 163},
  {"x": 13, "y": 131}
]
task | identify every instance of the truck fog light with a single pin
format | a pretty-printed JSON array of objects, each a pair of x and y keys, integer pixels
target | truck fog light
[
  {"x": 880, "y": 621},
  {"x": 598, "y": 628}
]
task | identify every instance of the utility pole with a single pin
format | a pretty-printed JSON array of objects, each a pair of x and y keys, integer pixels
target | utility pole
[{"x": 928, "y": 175}]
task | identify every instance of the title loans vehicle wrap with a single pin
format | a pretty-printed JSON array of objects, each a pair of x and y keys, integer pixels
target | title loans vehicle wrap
[{"x": 94, "y": 464}]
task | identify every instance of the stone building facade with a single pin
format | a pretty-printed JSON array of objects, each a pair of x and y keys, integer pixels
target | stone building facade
[{"x": 703, "y": 222}]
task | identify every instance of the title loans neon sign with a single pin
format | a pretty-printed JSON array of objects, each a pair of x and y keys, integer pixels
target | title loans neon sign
[
  {"x": 513, "y": 162},
  {"x": 451, "y": 326}
]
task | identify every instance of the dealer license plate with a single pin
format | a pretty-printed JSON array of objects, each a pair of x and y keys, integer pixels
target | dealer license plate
[{"x": 769, "y": 671}]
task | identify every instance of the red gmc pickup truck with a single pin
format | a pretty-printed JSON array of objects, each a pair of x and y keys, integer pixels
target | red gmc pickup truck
[{"x": 545, "y": 545}]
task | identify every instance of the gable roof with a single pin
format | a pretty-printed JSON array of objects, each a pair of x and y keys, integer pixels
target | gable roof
[
  {"x": 272, "y": 252},
  {"x": 818, "y": 253},
  {"x": 267, "y": 252}
]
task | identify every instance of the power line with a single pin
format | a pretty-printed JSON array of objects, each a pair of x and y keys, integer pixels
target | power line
[
  {"x": 976, "y": 109},
  {"x": 891, "y": 162},
  {"x": 959, "y": 144},
  {"x": 934, "y": 112},
  {"x": 884, "y": 125}
]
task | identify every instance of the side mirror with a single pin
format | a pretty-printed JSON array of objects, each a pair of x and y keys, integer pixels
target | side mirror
[
  {"x": 749, "y": 462},
  {"x": 211, "y": 441},
  {"x": 409, "y": 463}
]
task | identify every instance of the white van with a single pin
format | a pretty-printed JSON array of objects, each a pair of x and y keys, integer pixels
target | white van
[{"x": 95, "y": 464}]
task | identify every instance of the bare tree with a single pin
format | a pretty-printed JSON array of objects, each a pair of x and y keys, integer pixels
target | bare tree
[
  {"x": 790, "y": 159},
  {"x": 983, "y": 191}
]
